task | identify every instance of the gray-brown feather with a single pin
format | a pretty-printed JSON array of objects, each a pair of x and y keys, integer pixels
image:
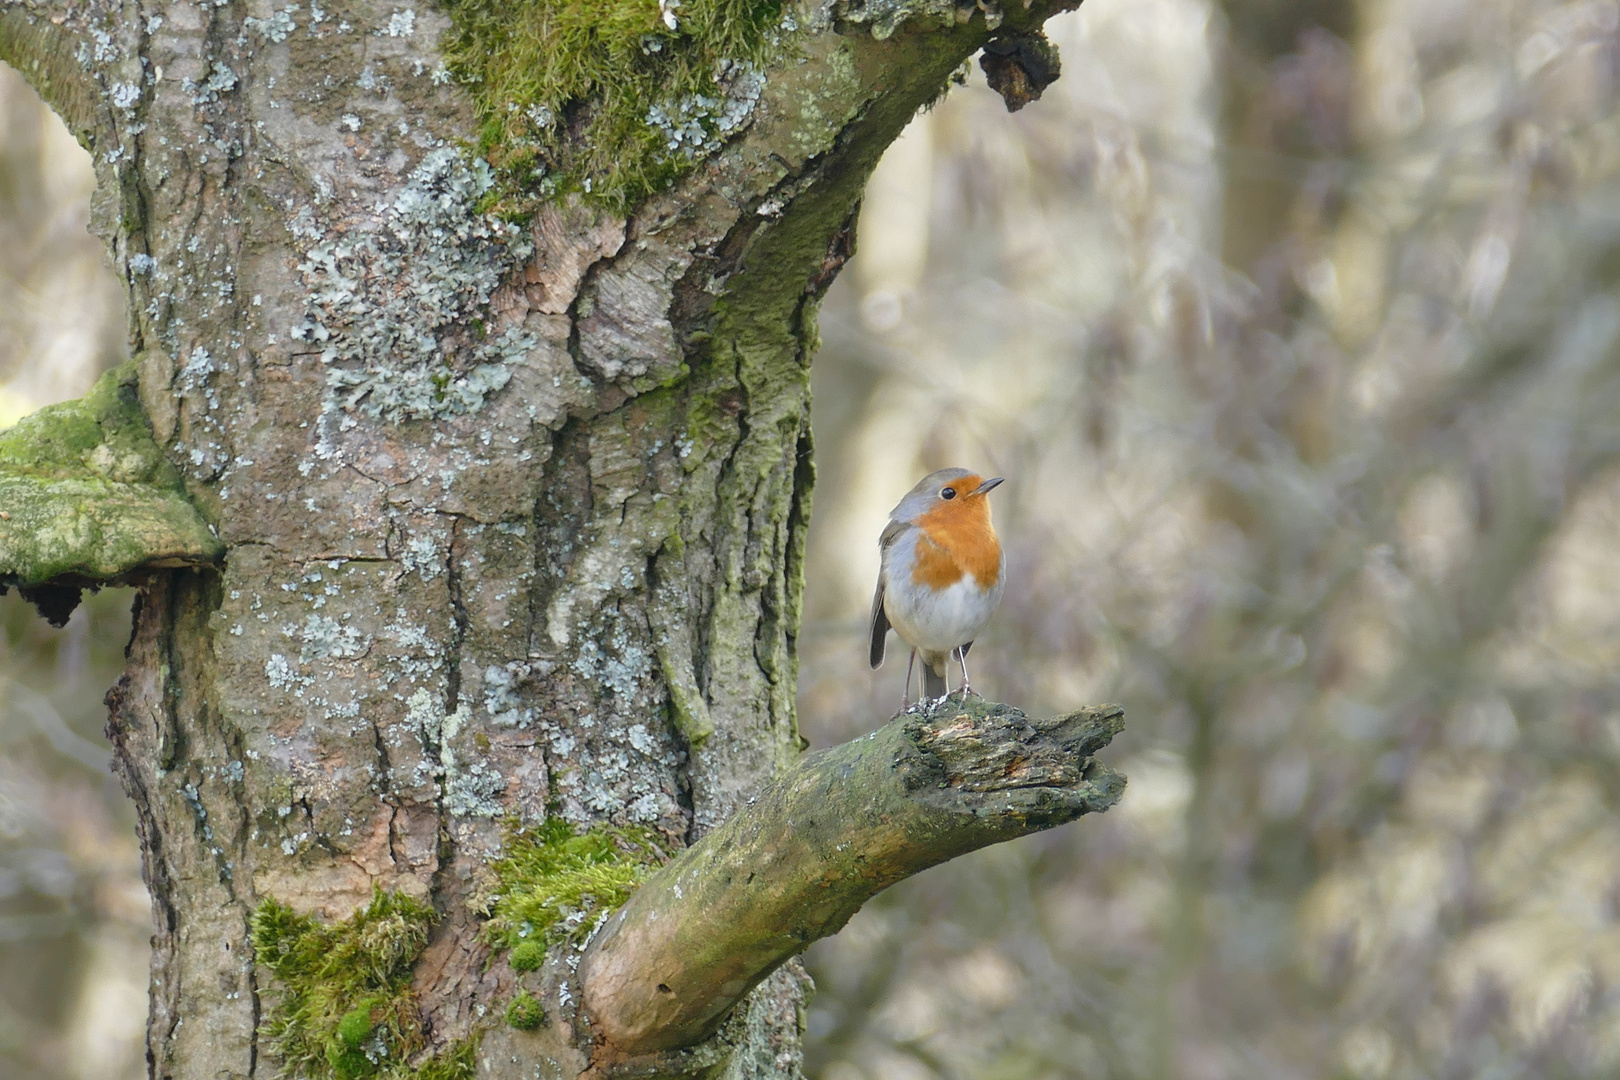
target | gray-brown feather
[
  {"x": 880, "y": 618},
  {"x": 880, "y": 627}
]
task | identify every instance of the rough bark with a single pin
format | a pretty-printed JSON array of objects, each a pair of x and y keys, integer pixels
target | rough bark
[{"x": 512, "y": 518}]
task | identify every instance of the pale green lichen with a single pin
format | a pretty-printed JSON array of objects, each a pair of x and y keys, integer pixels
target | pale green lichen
[
  {"x": 468, "y": 785},
  {"x": 86, "y": 493},
  {"x": 612, "y": 98},
  {"x": 554, "y": 886},
  {"x": 343, "y": 1007},
  {"x": 401, "y": 312}
]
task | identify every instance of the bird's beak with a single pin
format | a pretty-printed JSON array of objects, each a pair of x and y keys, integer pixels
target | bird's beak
[{"x": 984, "y": 488}]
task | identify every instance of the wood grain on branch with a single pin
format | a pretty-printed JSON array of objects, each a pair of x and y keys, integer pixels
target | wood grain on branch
[{"x": 818, "y": 842}]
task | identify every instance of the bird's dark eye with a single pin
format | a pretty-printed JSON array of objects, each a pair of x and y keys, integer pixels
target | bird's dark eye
[{"x": 947, "y": 493}]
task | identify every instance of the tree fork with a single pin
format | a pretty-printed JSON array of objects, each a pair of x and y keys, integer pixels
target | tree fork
[{"x": 822, "y": 838}]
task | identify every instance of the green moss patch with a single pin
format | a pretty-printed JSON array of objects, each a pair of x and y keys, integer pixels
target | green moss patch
[
  {"x": 456, "y": 1063},
  {"x": 104, "y": 433},
  {"x": 554, "y": 885},
  {"x": 343, "y": 1004},
  {"x": 525, "y": 1012},
  {"x": 613, "y": 98},
  {"x": 86, "y": 493}
]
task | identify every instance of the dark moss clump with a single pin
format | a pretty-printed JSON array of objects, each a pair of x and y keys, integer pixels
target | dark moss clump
[
  {"x": 344, "y": 1007},
  {"x": 614, "y": 98},
  {"x": 553, "y": 885},
  {"x": 525, "y": 1012}
]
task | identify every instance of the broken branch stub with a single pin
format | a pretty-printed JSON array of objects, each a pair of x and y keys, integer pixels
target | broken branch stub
[
  {"x": 1020, "y": 66},
  {"x": 88, "y": 498},
  {"x": 817, "y": 843}
]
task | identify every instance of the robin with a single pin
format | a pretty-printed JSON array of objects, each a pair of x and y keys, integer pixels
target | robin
[{"x": 942, "y": 575}]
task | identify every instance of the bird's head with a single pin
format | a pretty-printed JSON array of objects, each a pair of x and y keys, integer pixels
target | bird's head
[{"x": 948, "y": 494}]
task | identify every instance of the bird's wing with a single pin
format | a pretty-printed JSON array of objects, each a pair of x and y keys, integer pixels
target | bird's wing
[
  {"x": 880, "y": 627},
  {"x": 880, "y": 618}
]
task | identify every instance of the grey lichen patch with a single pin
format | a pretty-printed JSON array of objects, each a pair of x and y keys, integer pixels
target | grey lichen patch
[
  {"x": 469, "y": 786},
  {"x": 400, "y": 305},
  {"x": 275, "y": 28},
  {"x": 695, "y": 125},
  {"x": 502, "y": 700},
  {"x": 884, "y": 17},
  {"x": 86, "y": 493}
]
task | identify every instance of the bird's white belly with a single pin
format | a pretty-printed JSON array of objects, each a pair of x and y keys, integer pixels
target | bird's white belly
[{"x": 940, "y": 619}]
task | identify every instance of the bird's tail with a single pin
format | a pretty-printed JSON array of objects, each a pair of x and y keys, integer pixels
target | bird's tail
[{"x": 934, "y": 680}]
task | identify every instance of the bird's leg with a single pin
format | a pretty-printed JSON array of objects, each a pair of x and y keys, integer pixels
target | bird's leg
[
  {"x": 967, "y": 684},
  {"x": 905, "y": 696}
]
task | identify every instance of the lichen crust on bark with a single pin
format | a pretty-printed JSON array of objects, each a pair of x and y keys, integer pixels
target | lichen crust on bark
[
  {"x": 821, "y": 839},
  {"x": 87, "y": 495},
  {"x": 883, "y": 17}
]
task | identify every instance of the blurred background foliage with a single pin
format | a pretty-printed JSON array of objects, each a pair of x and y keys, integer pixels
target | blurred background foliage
[{"x": 1295, "y": 328}]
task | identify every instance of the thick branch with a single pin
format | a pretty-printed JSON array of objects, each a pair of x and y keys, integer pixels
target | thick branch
[
  {"x": 39, "y": 40},
  {"x": 822, "y": 839}
]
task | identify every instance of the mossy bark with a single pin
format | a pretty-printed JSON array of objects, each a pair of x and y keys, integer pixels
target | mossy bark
[
  {"x": 511, "y": 515},
  {"x": 87, "y": 496}
]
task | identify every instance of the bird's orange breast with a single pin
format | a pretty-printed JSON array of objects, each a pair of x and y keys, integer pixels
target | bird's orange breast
[{"x": 956, "y": 538}]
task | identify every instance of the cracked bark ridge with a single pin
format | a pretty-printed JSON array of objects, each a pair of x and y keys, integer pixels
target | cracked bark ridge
[
  {"x": 820, "y": 840},
  {"x": 1020, "y": 66}
]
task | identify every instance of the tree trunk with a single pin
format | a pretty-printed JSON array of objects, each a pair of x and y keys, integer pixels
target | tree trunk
[{"x": 512, "y": 514}]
